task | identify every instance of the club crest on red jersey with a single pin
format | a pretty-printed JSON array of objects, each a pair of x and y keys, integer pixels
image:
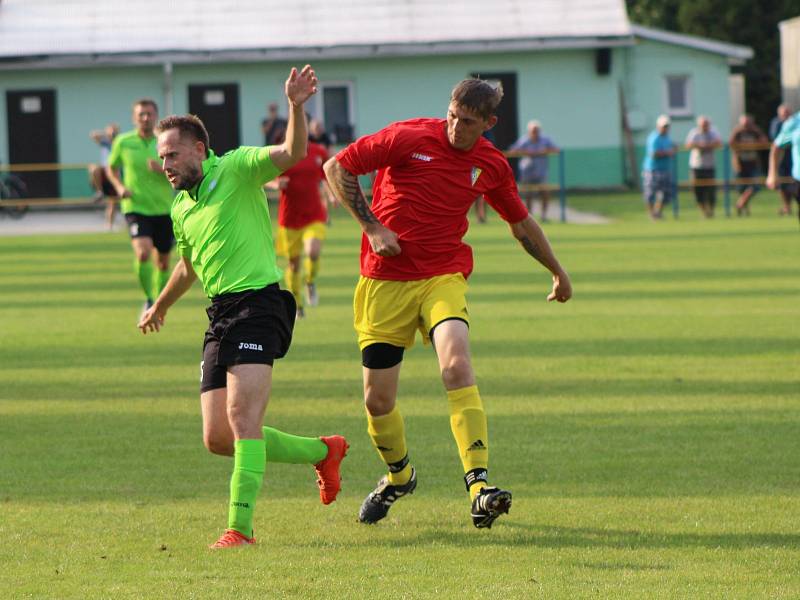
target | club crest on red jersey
[{"x": 476, "y": 172}]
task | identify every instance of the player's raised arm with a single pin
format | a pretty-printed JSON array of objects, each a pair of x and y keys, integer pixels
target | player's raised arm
[
  {"x": 299, "y": 87},
  {"x": 535, "y": 243},
  {"x": 347, "y": 190}
]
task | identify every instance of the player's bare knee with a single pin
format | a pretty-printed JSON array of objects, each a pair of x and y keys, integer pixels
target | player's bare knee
[
  {"x": 217, "y": 444},
  {"x": 457, "y": 373},
  {"x": 378, "y": 402},
  {"x": 237, "y": 417}
]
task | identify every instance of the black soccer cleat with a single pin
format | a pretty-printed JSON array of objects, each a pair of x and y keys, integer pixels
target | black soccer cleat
[
  {"x": 380, "y": 500},
  {"x": 490, "y": 503}
]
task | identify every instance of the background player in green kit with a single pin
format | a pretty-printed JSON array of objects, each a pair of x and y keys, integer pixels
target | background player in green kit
[
  {"x": 146, "y": 197},
  {"x": 224, "y": 236}
]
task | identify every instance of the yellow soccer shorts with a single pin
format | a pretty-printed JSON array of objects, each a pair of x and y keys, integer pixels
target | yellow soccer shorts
[
  {"x": 391, "y": 312},
  {"x": 289, "y": 242}
]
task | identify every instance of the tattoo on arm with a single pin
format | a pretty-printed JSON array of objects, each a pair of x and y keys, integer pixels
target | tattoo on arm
[
  {"x": 351, "y": 193},
  {"x": 532, "y": 249}
]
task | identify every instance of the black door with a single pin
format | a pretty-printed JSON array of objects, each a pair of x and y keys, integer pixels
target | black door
[
  {"x": 218, "y": 107},
  {"x": 32, "y": 138},
  {"x": 505, "y": 132},
  {"x": 336, "y": 106}
]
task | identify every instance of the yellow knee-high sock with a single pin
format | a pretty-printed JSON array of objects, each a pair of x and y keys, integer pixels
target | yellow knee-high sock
[
  {"x": 468, "y": 423},
  {"x": 311, "y": 268},
  {"x": 293, "y": 284},
  {"x": 388, "y": 435}
]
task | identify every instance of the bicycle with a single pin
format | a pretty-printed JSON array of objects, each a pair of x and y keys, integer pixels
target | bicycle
[{"x": 12, "y": 188}]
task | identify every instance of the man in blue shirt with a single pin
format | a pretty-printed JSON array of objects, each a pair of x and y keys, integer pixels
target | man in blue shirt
[
  {"x": 657, "y": 184},
  {"x": 534, "y": 148},
  {"x": 789, "y": 136}
]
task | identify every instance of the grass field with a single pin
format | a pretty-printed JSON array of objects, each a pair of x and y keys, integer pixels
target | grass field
[{"x": 649, "y": 429}]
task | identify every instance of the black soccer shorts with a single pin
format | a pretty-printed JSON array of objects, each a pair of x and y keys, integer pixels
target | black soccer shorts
[{"x": 249, "y": 327}]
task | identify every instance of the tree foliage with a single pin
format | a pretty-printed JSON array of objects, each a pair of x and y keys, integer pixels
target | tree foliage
[{"x": 744, "y": 22}]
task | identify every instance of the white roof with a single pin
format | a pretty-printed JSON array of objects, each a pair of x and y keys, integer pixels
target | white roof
[
  {"x": 91, "y": 29},
  {"x": 736, "y": 54}
]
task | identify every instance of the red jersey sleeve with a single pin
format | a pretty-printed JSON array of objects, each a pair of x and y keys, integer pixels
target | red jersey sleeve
[
  {"x": 385, "y": 148},
  {"x": 504, "y": 197}
]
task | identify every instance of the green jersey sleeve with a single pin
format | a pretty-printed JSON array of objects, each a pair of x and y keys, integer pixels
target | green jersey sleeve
[
  {"x": 255, "y": 164},
  {"x": 180, "y": 240}
]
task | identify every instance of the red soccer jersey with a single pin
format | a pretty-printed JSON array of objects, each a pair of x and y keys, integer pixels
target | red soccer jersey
[
  {"x": 423, "y": 192},
  {"x": 300, "y": 203}
]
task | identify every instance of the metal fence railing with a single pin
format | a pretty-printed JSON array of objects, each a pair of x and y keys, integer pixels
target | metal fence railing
[{"x": 726, "y": 183}]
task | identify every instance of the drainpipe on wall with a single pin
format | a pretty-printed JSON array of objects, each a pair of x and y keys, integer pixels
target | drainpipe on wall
[{"x": 168, "y": 96}]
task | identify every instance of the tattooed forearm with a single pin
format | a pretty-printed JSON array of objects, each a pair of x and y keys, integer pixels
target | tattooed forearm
[
  {"x": 353, "y": 198},
  {"x": 532, "y": 249},
  {"x": 345, "y": 187}
]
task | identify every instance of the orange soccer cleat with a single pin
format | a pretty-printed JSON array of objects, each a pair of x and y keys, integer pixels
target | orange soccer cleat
[
  {"x": 232, "y": 538},
  {"x": 328, "y": 478}
]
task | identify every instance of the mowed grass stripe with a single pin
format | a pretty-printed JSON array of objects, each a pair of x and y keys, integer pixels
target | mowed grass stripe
[{"x": 648, "y": 428}]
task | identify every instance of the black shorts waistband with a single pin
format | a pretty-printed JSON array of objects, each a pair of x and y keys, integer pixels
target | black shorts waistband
[{"x": 233, "y": 296}]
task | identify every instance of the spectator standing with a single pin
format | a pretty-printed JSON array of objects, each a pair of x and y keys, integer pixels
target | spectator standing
[
  {"x": 746, "y": 163},
  {"x": 534, "y": 149},
  {"x": 657, "y": 184},
  {"x": 703, "y": 141},
  {"x": 273, "y": 127},
  {"x": 785, "y": 166}
]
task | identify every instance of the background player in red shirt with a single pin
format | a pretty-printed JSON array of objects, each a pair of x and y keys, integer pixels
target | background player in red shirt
[
  {"x": 414, "y": 266},
  {"x": 302, "y": 216}
]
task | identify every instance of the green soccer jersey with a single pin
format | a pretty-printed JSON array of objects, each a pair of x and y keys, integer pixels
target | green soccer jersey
[
  {"x": 222, "y": 225},
  {"x": 151, "y": 193}
]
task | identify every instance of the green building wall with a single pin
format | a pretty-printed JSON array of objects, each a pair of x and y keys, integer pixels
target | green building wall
[
  {"x": 577, "y": 107},
  {"x": 646, "y": 65}
]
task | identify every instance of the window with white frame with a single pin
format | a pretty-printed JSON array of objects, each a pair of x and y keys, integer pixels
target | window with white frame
[
  {"x": 678, "y": 98},
  {"x": 334, "y": 105}
]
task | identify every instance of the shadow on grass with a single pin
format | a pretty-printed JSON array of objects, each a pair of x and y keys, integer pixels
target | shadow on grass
[
  {"x": 636, "y": 239},
  {"x": 542, "y": 536},
  {"x": 657, "y": 275},
  {"x": 518, "y": 390},
  {"x": 176, "y": 351},
  {"x": 702, "y": 347},
  {"x": 97, "y": 455},
  {"x": 698, "y": 296}
]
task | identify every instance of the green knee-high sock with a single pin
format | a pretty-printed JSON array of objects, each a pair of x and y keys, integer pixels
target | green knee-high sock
[
  {"x": 287, "y": 448},
  {"x": 161, "y": 279},
  {"x": 248, "y": 474},
  {"x": 144, "y": 270},
  {"x": 311, "y": 268}
]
